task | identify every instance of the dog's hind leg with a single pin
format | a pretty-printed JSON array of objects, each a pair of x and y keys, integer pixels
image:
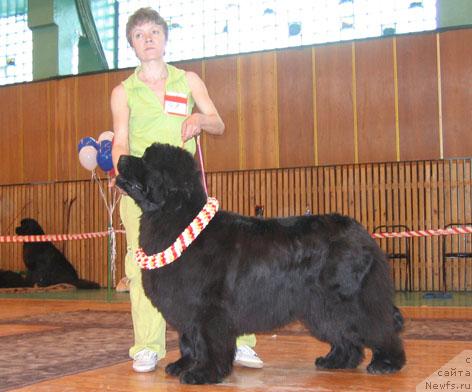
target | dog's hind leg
[
  {"x": 215, "y": 345},
  {"x": 388, "y": 357},
  {"x": 187, "y": 357},
  {"x": 347, "y": 350},
  {"x": 343, "y": 355}
]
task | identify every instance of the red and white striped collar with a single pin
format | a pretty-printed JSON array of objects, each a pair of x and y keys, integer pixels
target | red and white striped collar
[{"x": 182, "y": 242}]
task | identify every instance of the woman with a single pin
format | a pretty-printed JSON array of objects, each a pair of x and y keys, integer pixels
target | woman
[{"x": 155, "y": 105}]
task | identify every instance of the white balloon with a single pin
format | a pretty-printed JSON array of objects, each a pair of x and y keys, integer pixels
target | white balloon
[
  {"x": 107, "y": 135},
  {"x": 88, "y": 157}
]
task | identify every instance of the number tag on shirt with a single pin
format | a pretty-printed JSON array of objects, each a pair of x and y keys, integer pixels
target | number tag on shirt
[{"x": 175, "y": 103}]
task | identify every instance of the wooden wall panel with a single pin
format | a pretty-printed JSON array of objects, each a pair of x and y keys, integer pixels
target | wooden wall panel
[
  {"x": 375, "y": 93},
  {"x": 258, "y": 110},
  {"x": 420, "y": 195},
  {"x": 418, "y": 97},
  {"x": 192, "y": 66},
  {"x": 11, "y": 126},
  {"x": 264, "y": 99},
  {"x": 37, "y": 127},
  {"x": 92, "y": 107},
  {"x": 64, "y": 143},
  {"x": 334, "y": 104},
  {"x": 295, "y": 107},
  {"x": 222, "y": 152},
  {"x": 62, "y": 208},
  {"x": 456, "y": 66}
]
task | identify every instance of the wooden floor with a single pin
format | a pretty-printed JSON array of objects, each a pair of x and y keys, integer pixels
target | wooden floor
[{"x": 288, "y": 360}]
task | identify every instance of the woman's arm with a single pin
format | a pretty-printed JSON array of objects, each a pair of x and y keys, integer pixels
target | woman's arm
[
  {"x": 120, "y": 114},
  {"x": 208, "y": 118}
]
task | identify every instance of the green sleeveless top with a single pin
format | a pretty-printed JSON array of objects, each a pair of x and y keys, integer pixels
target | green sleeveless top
[{"x": 149, "y": 122}]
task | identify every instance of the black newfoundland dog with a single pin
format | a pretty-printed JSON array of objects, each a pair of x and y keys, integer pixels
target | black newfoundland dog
[
  {"x": 248, "y": 274},
  {"x": 46, "y": 265}
]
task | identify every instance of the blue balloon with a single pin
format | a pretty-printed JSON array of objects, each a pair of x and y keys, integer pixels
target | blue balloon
[
  {"x": 87, "y": 141},
  {"x": 104, "y": 159}
]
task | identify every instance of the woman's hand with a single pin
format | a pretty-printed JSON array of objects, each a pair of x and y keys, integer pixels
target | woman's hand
[{"x": 191, "y": 127}]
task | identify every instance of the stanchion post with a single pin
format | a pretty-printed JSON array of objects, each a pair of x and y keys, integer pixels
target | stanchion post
[{"x": 109, "y": 266}]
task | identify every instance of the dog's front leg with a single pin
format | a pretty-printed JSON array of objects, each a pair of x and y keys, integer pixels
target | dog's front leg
[
  {"x": 187, "y": 357},
  {"x": 215, "y": 344}
]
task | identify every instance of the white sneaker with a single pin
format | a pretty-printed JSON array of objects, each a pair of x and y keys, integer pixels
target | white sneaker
[
  {"x": 145, "y": 361},
  {"x": 247, "y": 357}
]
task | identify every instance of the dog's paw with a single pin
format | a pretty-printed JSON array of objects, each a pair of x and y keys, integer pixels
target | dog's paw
[
  {"x": 383, "y": 366},
  {"x": 329, "y": 362},
  {"x": 198, "y": 377},
  {"x": 174, "y": 369},
  {"x": 326, "y": 363},
  {"x": 177, "y": 367}
]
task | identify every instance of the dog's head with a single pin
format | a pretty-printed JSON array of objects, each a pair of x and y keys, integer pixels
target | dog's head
[
  {"x": 29, "y": 226},
  {"x": 163, "y": 173}
]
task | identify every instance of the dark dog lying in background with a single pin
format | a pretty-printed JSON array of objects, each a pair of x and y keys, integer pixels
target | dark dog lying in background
[
  {"x": 46, "y": 265},
  {"x": 244, "y": 274},
  {"x": 10, "y": 279}
]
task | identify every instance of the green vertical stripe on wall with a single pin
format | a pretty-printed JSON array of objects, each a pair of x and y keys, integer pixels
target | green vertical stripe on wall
[
  {"x": 13, "y": 7},
  {"x": 454, "y": 13}
]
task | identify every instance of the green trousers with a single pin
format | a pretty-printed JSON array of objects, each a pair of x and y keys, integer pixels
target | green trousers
[{"x": 148, "y": 324}]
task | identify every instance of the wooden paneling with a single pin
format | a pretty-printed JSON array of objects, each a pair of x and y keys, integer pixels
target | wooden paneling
[
  {"x": 456, "y": 64},
  {"x": 62, "y": 208},
  {"x": 334, "y": 104},
  {"x": 193, "y": 66},
  {"x": 295, "y": 107},
  {"x": 258, "y": 110},
  {"x": 221, "y": 152},
  {"x": 92, "y": 106},
  {"x": 37, "y": 127},
  {"x": 267, "y": 102},
  {"x": 419, "y": 195},
  {"x": 64, "y": 141},
  {"x": 375, "y": 101},
  {"x": 418, "y": 97},
  {"x": 11, "y": 126}
]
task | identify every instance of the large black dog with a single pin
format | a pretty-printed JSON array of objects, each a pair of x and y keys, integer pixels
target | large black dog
[
  {"x": 46, "y": 265},
  {"x": 248, "y": 274}
]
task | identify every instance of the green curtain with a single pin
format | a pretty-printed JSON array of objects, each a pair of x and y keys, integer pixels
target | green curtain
[
  {"x": 88, "y": 25},
  {"x": 13, "y": 7}
]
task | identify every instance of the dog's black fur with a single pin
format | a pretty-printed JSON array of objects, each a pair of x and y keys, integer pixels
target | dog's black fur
[
  {"x": 245, "y": 275},
  {"x": 46, "y": 265},
  {"x": 11, "y": 279}
]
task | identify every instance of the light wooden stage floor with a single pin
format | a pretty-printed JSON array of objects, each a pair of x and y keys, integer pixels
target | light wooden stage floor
[{"x": 288, "y": 359}]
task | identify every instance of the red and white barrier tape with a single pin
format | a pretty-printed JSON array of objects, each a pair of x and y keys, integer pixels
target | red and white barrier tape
[
  {"x": 424, "y": 233},
  {"x": 84, "y": 236},
  {"x": 55, "y": 237}
]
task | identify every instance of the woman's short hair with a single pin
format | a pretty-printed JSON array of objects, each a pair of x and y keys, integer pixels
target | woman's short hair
[{"x": 144, "y": 15}]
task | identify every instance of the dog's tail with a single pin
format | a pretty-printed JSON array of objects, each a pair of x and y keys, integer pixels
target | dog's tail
[
  {"x": 86, "y": 284},
  {"x": 398, "y": 320}
]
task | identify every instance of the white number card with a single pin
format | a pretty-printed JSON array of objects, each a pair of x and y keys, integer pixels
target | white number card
[{"x": 175, "y": 103}]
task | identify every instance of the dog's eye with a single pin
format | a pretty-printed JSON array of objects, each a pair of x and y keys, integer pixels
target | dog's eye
[{"x": 139, "y": 187}]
